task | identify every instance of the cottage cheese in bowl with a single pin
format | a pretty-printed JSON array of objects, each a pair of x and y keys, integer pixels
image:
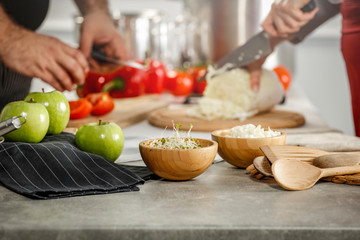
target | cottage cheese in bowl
[{"x": 252, "y": 131}]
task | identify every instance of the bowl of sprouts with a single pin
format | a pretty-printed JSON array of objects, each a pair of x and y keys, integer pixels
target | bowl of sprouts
[
  {"x": 240, "y": 145},
  {"x": 179, "y": 157}
]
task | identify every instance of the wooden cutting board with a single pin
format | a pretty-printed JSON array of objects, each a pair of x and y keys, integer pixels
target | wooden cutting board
[
  {"x": 274, "y": 119},
  {"x": 127, "y": 111}
]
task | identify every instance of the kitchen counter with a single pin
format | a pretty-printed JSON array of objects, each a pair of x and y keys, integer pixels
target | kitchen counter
[{"x": 222, "y": 203}]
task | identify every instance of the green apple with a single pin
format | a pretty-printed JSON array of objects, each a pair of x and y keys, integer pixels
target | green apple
[
  {"x": 36, "y": 125},
  {"x": 103, "y": 138},
  {"x": 57, "y": 106}
]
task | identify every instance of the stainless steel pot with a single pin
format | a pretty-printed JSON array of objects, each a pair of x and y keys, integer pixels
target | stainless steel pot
[
  {"x": 142, "y": 31},
  {"x": 222, "y": 25}
]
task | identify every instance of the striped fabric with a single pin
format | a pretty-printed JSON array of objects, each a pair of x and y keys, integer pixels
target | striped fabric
[{"x": 55, "y": 168}]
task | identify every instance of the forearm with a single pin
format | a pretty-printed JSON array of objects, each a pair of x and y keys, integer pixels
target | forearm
[
  {"x": 90, "y": 6},
  {"x": 326, "y": 11}
]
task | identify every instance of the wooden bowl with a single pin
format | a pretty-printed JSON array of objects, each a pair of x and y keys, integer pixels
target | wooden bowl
[
  {"x": 241, "y": 152},
  {"x": 179, "y": 164}
]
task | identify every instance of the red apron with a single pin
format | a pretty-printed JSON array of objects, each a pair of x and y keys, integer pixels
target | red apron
[{"x": 350, "y": 46}]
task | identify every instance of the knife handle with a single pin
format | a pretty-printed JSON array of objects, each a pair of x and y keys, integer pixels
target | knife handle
[{"x": 309, "y": 7}]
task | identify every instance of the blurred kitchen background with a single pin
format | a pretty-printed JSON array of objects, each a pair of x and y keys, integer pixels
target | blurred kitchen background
[{"x": 192, "y": 31}]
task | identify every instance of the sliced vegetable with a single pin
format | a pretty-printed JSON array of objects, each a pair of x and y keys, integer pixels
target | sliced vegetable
[
  {"x": 102, "y": 103},
  {"x": 80, "y": 108},
  {"x": 284, "y": 76}
]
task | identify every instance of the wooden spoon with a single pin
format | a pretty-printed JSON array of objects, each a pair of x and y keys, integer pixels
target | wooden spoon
[
  {"x": 336, "y": 160},
  {"x": 262, "y": 165},
  {"x": 298, "y": 175},
  {"x": 305, "y": 154}
]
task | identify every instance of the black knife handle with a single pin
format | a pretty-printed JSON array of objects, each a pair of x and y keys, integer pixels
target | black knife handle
[{"x": 309, "y": 7}]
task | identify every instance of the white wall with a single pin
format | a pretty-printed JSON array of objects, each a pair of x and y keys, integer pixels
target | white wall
[
  {"x": 321, "y": 72},
  {"x": 319, "y": 69}
]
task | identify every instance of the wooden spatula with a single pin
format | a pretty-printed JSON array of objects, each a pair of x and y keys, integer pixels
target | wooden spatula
[
  {"x": 275, "y": 152},
  {"x": 298, "y": 175}
]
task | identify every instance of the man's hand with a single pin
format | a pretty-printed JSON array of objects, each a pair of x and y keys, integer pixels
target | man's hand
[
  {"x": 98, "y": 30},
  {"x": 286, "y": 17},
  {"x": 41, "y": 56}
]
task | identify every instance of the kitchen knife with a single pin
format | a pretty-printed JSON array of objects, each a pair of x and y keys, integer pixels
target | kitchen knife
[
  {"x": 255, "y": 48},
  {"x": 100, "y": 56}
]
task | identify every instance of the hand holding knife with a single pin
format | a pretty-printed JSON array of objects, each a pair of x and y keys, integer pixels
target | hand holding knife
[{"x": 255, "y": 48}]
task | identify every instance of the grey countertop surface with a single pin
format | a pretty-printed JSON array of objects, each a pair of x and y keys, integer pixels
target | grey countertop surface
[{"x": 222, "y": 203}]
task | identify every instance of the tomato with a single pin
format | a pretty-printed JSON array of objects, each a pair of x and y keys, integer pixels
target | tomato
[
  {"x": 284, "y": 76},
  {"x": 155, "y": 76},
  {"x": 196, "y": 73},
  {"x": 80, "y": 108},
  {"x": 127, "y": 82},
  {"x": 179, "y": 83},
  {"x": 102, "y": 103}
]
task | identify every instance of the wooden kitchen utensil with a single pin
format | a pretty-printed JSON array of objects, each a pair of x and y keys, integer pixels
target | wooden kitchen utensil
[
  {"x": 336, "y": 160},
  {"x": 263, "y": 166},
  {"x": 298, "y": 175},
  {"x": 305, "y": 154},
  {"x": 127, "y": 111},
  {"x": 274, "y": 119}
]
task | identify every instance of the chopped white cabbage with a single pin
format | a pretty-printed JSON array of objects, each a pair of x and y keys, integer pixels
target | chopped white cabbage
[
  {"x": 228, "y": 95},
  {"x": 252, "y": 131}
]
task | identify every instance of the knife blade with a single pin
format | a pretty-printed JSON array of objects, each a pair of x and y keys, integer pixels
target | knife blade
[
  {"x": 104, "y": 58},
  {"x": 256, "y": 47}
]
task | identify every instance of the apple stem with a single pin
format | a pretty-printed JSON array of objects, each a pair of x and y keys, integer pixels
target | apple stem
[
  {"x": 31, "y": 100},
  {"x": 43, "y": 90},
  {"x": 99, "y": 122}
]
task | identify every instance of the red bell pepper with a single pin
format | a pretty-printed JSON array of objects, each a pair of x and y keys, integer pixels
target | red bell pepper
[
  {"x": 80, "y": 108},
  {"x": 155, "y": 76},
  {"x": 102, "y": 103},
  {"x": 92, "y": 82},
  {"x": 126, "y": 82}
]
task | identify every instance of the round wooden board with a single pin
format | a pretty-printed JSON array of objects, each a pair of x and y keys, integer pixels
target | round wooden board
[{"x": 274, "y": 119}]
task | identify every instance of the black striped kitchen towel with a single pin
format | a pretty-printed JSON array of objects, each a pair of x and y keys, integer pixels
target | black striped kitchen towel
[{"x": 56, "y": 168}]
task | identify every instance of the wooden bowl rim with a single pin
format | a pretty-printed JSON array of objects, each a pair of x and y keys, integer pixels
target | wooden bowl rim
[
  {"x": 213, "y": 144},
  {"x": 217, "y": 133}
]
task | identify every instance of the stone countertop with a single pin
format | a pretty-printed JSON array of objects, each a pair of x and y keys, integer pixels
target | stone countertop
[{"x": 222, "y": 203}]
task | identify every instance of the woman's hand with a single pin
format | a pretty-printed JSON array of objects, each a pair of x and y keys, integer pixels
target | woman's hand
[{"x": 286, "y": 17}]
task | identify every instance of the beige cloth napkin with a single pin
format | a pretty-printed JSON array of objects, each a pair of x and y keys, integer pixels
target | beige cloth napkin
[{"x": 327, "y": 141}]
